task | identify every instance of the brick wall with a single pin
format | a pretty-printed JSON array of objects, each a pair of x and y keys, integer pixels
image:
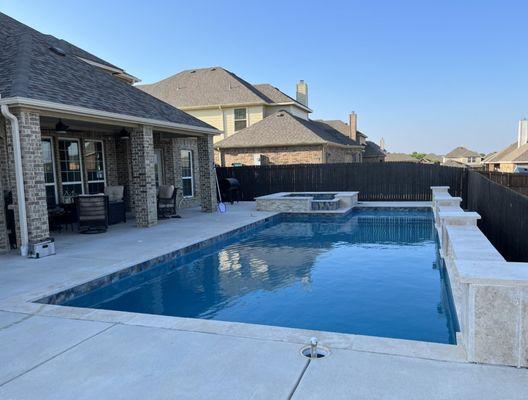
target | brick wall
[
  {"x": 205, "y": 158},
  {"x": 33, "y": 174},
  {"x": 143, "y": 178},
  {"x": 272, "y": 156},
  {"x": 4, "y": 246},
  {"x": 336, "y": 154}
]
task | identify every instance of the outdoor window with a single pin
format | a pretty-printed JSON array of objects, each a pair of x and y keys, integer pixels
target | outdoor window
[
  {"x": 70, "y": 169},
  {"x": 240, "y": 118},
  {"x": 94, "y": 164},
  {"x": 158, "y": 167},
  {"x": 187, "y": 173},
  {"x": 49, "y": 172}
]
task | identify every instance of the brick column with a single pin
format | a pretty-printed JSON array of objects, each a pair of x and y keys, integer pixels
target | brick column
[
  {"x": 143, "y": 177},
  {"x": 207, "y": 178},
  {"x": 33, "y": 173}
]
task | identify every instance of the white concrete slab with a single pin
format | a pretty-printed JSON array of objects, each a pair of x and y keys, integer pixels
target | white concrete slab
[
  {"x": 128, "y": 362},
  {"x": 37, "y": 339},
  {"x": 357, "y": 375},
  {"x": 8, "y": 318}
]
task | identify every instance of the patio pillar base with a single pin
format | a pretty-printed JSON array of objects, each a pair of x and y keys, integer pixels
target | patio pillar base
[
  {"x": 143, "y": 178},
  {"x": 207, "y": 174}
]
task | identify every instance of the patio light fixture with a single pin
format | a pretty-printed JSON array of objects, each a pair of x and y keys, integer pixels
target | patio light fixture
[
  {"x": 61, "y": 127},
  {"x": 123, "y": 134}
]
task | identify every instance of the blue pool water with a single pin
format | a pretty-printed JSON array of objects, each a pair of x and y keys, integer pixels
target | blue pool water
[{"x": 373, "y": 272}]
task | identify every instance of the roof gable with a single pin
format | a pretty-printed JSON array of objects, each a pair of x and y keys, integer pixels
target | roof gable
[
  {"x": 285, "y": 129},
  {"x": 460, "y": 152},
  {"x": 31, "y": 69},
  {"x": 214, "y": 86}
]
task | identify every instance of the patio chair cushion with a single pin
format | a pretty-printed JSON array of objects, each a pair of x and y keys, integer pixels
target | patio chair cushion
[
  {"x": 114, "y": 193},
  {"x": 166, "y": 191}
]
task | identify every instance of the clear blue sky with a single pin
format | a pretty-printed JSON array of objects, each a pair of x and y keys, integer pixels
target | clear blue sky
[{"x": 425, "y": 75}]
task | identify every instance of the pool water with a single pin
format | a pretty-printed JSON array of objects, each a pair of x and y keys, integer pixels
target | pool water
[{"x": 374, "y": 272}]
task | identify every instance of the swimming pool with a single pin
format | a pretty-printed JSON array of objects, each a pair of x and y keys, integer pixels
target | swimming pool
[{"x": 372, "y": 272}]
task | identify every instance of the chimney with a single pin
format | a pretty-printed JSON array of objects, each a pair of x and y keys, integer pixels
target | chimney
[
  {"x": 302, "y": 93},
  {"x": 522, "y": 137},
  {"x": 382, "y": 144},
  {"x": 352, "y": 124}
]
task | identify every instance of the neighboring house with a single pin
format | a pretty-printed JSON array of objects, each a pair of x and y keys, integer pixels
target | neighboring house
[
  {"x": 226, "y": 101},
  {"x": 284, "y": 138},
  {"x": 513, "y": 156},
  {"x": 82, "y": 126},
  {"x": 432, "y": 158},
  {"x": 464, "y": 156},
  {"x": 371, "y": 151},
  {"x": 400, "y": 157}
]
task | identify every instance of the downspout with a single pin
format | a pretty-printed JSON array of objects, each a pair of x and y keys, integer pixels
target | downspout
[{"x": 21, "y": 196}]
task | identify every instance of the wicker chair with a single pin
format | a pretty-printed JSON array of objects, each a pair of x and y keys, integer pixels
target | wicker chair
[
  {"x": 167, "y": 201},
  {"x": 92, "y": 211}
]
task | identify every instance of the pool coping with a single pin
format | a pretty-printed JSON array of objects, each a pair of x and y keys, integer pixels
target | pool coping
[{"x": 401, "y": 347}]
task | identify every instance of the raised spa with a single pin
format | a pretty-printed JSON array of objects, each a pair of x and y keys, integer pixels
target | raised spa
[{"x": 307, "y": 202}]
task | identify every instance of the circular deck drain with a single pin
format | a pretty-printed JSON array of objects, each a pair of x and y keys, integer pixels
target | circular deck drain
[{"x": 320, "y": 352}]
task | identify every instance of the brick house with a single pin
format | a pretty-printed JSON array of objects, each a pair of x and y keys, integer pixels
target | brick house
[
  {"x": 513, "y": 157},
  {"x": 283, "y": 138},
  {"x": 72, "y": 123}
]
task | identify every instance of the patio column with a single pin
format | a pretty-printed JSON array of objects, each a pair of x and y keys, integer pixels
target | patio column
[
  {"x": 207, "y": 177},
  {"x": 33, "y": 175},
  {"x": 143, "y": 177}
]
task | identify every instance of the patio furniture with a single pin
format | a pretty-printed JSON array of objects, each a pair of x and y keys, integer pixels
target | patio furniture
[
  {"x": 61, "y": 216},
  {"x": 93, "y": 213},
  {"x": 116, "y": 204},
  {"x": 167, "y": 201}
]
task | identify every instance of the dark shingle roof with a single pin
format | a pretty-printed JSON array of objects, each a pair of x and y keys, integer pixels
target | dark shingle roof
[
  {"x": 30, "y": 69},
  {"x": 285, "y": 129},
  {"x": 461, "y": 152},
  {"x": 373, "y": 150},
  {"x": 213, "y": 86}
]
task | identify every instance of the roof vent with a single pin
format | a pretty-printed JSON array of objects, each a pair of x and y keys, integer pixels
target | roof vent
[
  {"x": 193, "y": 71},
  {"x": 58, "y": 51},
  {"x": 213, "y": 69},
  {"x": 280, "y": 114}
]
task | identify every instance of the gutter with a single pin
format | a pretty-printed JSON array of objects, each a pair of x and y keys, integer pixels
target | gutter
[
  {"x": 21, "y": 196},
  {"x": 110, "y": 117}
]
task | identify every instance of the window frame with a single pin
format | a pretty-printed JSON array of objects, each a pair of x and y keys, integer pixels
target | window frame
[
  {"x": 88, "y": 181},
  {"x": 81, "y": 166},
  {"x": 190, "y": 177},
  {"x": 235, "y": 120},
  {"x": 161, "y": 168},
  {"x": 53, "y": 167}
]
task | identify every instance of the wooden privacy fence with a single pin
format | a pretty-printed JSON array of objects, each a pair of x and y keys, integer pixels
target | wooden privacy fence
[
  {"x": 504, "y": 215},
  {"x": 517, "y": 182},
  {"x": 374, "y": 181}
]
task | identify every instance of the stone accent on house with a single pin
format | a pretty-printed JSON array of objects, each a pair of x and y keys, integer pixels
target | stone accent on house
[
  {"x": 272, "y": 156},
  {"x": 33, "y": 172},
  {"x": 143, "y": 177},
  {"x": 205, "y": 158}
]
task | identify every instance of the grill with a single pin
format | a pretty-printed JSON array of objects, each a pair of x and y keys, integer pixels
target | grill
[{"x": 230, "y": 189}]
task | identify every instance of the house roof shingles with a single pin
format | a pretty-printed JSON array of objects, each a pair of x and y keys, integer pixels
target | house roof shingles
[
  {"x": 30, "y": 69},
  {"x": 213, "y": 86},
  {"x": 461, "y": 152},
  {"x": 400, "y": 157},
  {"x": 284, "y": 129},
  {"x": 511, "y": 154}
]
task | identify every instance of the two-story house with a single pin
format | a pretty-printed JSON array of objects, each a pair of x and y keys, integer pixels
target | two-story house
[
  {"x": 461, "y": 155},
  {"x": 513, "y": 158},
  {"x": 226, "y": 101}
]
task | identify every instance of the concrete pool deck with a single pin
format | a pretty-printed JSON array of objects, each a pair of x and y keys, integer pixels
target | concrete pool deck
[{"x": 55, "y": 352}]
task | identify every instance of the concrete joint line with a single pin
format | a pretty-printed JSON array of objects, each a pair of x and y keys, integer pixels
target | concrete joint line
[
  {"x": 28, "y": 316},
  {"x": 56, "y": 355}
]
